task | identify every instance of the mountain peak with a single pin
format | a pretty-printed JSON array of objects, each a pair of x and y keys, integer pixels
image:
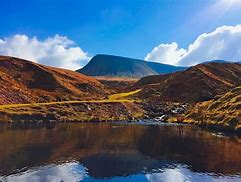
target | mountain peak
[{"x": 118, "y": 66}]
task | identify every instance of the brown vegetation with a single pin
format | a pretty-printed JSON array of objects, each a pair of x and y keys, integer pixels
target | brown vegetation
[
  {"x": 116, "y": 83},
  {"x": 31, "y": 92},
  {"x": 199, "y": 83},
  {"x": 26, "y": 82},
  {"x": 223, "y": 112},
  {"x": 73, "y": 112}
]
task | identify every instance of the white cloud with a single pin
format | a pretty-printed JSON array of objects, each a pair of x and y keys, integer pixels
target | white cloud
[
  {"x": 166, "y": 53},
  {"x": 55, "y": 51},
  {"x": 224, "y": 43}
]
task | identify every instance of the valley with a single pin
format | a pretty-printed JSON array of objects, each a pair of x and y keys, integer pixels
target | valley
[
  {"x": 120, "y": 91},
  {"x": 38, "y": 93}
]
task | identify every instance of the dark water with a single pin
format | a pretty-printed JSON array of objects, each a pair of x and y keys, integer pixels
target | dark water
[{"x": 117, "y": 152}]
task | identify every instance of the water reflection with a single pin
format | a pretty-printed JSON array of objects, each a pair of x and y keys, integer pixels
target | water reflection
[
  {"x": 74, "y": 171},
  {"x": 65, "y": 172},
  {"x": 102, "y": 151}
]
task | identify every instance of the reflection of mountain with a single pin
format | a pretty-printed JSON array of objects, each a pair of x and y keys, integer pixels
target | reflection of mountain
[
  {"x": 123, "y": 164},
  {"x": 200, "y": 150},
  {"x": 108, "y": 150}
]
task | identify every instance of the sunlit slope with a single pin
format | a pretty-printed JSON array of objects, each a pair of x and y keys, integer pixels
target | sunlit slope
[
  {"x": 121, "y": 107},
  {"x": 26, "y": 82},
  {"x": 198, "y": 83},
  {"x": 223, "y": 112}
]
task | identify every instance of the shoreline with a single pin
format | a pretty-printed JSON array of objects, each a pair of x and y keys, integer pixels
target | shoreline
[{"x": 153, "y": 121}]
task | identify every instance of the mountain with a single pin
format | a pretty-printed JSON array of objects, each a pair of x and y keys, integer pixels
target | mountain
[
  {"x": 25, "y": 82},
  {"x": 224, "y": 111},
  {"x": 116, "y": 66},
  {"x": 198, "y": 83},
  {"x": 221, "y": 61}
]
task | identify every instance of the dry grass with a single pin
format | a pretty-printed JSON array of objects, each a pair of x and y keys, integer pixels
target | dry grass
[
  {"x": 123, "y": 95},
  {"x": 120, "y": 97},
  {"x": 115, "y": 79},
  {"x": 223, "y": 112},
  {"x": 75, "y": 110},
  {"x": 64, "y": 102},
  {"x": 25, "y": 82}
]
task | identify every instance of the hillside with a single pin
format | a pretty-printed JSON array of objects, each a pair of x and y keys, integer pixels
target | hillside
[
  {"x": 116, "y": 84},
  {"x": 198, "y": 83},
  {"x": 25, "y": 82},
  {"x": 116, "y": 66},
  {"x": 223, "y": 112}
]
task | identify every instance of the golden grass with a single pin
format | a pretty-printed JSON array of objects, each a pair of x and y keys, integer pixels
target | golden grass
[
  {"x": 120, "y": 97},
  {"x": 123, "y": 95},
  {"x": 64, "y": 102},
  {"x": 72, "y": 111},
  {"x": 121, "y": 79},
  {"x": 223, "y": 111}
]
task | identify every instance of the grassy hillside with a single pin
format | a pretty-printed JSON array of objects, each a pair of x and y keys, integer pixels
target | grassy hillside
[
  {"x": 31, "y": 92},
  {"x": 117, "y": 107},
  {"x": 198, "y": 83},
  {"x": 72, "y": 112},
  {"x": 26, "y": 82},
  {"x": 117, "y": 84},
  {"x": 223, "y": 112},
  {"x": 120, "y": 106}
]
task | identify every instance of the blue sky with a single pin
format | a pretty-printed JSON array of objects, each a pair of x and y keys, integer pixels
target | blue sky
[{"x": 121, "y": 27}]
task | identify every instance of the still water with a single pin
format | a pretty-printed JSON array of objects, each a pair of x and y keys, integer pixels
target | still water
[{"x": 117, "y": 152}]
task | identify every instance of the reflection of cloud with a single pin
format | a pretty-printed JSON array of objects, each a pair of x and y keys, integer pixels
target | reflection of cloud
[
  {"x": 69, "y": 172},
  {"x": 170, "y": 175},
  {"x": 74, "y": 171},
  {"x": 181, "y": 174}
]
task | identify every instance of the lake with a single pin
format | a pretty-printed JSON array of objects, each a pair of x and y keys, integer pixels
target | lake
[{"x": 117, "y": 152}]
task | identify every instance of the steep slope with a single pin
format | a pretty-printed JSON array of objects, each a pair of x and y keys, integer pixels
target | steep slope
[
  {"x": 116, "y": 66},
  {"x": 223, "y": 112},
  {"x": 24, "y": 81},
  {"x": 198, "y": 83}
]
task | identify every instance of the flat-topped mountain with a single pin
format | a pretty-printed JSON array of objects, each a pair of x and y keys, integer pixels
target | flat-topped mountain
[
  {"x": 198, "y": 83},
  {"x": 25, "y": 82},
  {"x": 116, "y": 66}
]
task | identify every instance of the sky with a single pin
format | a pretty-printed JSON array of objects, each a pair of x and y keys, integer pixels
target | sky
[{"x": 67, "y": 33}]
